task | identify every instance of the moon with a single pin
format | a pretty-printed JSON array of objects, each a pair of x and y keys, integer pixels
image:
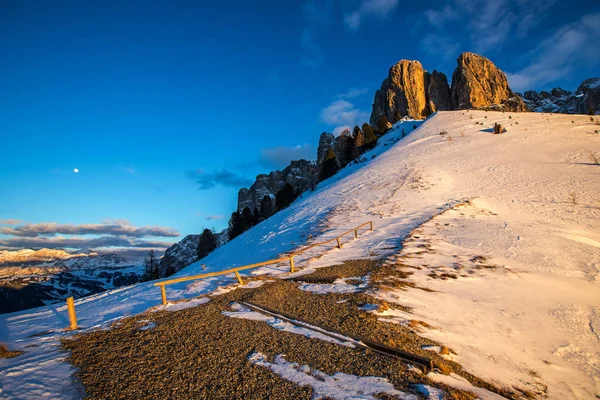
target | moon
[{"x": 76, "y": 170}]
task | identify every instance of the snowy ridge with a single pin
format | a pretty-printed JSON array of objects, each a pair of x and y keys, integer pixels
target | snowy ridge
[{"x": 524, "y": 177}]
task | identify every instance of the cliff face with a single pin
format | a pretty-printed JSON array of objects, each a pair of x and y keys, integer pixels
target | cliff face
[
  {"x": 301, "y": 174},
  {"x": 590, "y": 99},
  {"x": 184, "y": 252},
  {"x": 402, "y": 93},
  {"x": 438, "y": 92},
  {"x": 478, "y": 83}
]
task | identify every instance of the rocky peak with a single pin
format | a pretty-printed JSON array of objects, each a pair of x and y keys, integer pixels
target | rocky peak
[
  {"x": 326, "y": 142},
  {"x": 585, "y": 100},
  {"x": 301, "y": 174},
  {"x": 402, "y": 93},
  {"x": 478, "y": 83},
  {"x": 179, "y": 255},
  {"x": 590, "y": 101}
]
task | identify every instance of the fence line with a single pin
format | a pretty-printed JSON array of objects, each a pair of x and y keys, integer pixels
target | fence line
[{"x": 236, "y": 270}]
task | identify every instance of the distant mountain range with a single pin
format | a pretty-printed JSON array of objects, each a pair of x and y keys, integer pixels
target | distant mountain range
[{"x": 32, "y": 278}]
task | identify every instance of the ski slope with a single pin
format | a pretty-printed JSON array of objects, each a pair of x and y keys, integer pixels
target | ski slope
[{"x": 539, "y": 312}]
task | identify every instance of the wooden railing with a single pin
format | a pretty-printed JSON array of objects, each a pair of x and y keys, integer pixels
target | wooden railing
[{"x": 289, "y": 257}]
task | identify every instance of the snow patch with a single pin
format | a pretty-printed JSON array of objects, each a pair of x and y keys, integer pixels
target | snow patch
[
  {"x": 245, "y": 313},
  {"x": 458, "y": 382},
  {"x": 182, "y": 305},
  {"x": 338, "y": 386},
  {"x": 338, "y": 286}
]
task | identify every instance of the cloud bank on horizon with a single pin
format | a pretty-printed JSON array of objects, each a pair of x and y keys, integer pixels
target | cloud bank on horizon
[{"x": 118, "y": 236}]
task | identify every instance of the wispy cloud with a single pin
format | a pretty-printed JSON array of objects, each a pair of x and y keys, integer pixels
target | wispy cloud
[
  {"x": 440, "y": 45},
  {"x": 369, "y": 8},
  {"x": 120, "y": 229},
  {"x": 555, "y": 57},
  {"x": 280, "y": 157},
  {"x": 317, "y": 15},
  {"x": 130, "y": 169},
  {"x": 209, "y": 180},
  {"x": 440, "y": 17},
  {"x": 10, "y": 221},
  {"x": 213, "y": 217},
  {"x": 342, "y": 112},
  {"x": 487, "y": 25},
  {"x": 352, "y": 93}
]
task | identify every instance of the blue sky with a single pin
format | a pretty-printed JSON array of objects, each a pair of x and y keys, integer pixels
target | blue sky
[{"x": 167, "y": 108}]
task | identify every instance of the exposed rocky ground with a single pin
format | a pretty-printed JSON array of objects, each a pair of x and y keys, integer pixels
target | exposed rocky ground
[{"x": 201, "y": 353}]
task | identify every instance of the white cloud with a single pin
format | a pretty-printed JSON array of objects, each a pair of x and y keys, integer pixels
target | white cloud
[
  {"x": 10, "y": 221},
  {"x": 352, "y": 93},
  {"x": 339, "y": 129},
  {"x": 342, "y": 112},
  {"x": 556, "y": 56},
  {"x": 369, "y": 8}
]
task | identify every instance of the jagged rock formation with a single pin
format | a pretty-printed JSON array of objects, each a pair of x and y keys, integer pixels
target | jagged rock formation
[
  {"x": 301, "y": 174},
  {"x": 344, "y": 149},
  {"x": 438, "y": 92},
  {"x": 558, "y": 100},
  {"x": 590, "y": 101},
  {"x": 409, "y": 91},
  {"x": 402, "y": 93},
  {"x": 478, "y": 83},
  {"x": 185, "y": 252},
  {"x": 326, "y": 142}
]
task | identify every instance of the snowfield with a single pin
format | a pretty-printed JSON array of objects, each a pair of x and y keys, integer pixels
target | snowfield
[{"x": 512, "y": 220}]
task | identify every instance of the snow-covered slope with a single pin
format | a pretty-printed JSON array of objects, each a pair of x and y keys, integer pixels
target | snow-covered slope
[{"x": 532, "y": 321}]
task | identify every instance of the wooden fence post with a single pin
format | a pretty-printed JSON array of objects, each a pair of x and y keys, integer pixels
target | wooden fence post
[
  {"x": 338, "y": 242},
  {"x": 163, "y": 292},
  {"x": 371, "y": 222},
  {"x": 72, "y": 315},
  {"x": 239, "y": 278},
  {"x": 292, "y": 264},
  {"x": 356, "y": 234}
]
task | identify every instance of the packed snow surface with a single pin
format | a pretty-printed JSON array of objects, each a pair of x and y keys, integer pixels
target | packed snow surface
[{"x": 530, "y": 321}]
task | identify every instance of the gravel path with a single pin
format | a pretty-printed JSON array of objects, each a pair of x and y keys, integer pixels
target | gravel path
[{"x": 200, "y": 353}]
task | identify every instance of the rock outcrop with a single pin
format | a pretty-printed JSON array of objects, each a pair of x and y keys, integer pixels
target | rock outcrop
[
  {"x": 590, "y": 101},
  {"x": 401, "y": 94},
  {"x": 301, "y": 174},
  {"x": 438, "y": 92},
  {"x": 585, "y": 100},
  {"x": 184, "y": 252},
  {"x": 478, "y": 83},
  {"x": 326, "y": 142},
  {"x": 179, "y": 255}
]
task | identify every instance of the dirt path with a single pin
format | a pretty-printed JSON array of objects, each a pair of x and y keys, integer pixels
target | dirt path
[{"x": 200, "y": 353}]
